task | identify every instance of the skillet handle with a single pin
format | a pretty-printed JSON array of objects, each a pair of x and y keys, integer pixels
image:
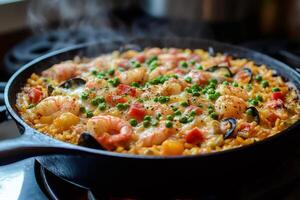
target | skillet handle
[
  {"x": 2, "y": 87},
  {"x": 29, "y": 145},
  {"x": 16, "y": 149}
]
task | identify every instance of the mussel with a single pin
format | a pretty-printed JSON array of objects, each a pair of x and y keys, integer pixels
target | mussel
[
  {"x": 221, "y": 70},
  {"x": 245, "y": 74},
  {"x": 87, "y": 140},
  {"x": 73, "y": 82},
  {"x": 50, "y": 89},
  {"x": 127, "y": 47},
  {"x": 232, "y": 125},
  {"x": 254, "y": 114},
  {"x": 211, "y": 51}
]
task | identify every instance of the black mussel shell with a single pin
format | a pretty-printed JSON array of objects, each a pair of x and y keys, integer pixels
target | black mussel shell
[
  {"x": 223, "y": 69},
  {"x": 211, "y": 51},
  {"x": 232, "y": 123},
  {"x": 127, "y": 47},
  {"x": 87, "y": 140},
  {"x": 72, "y": 83},
  {"x": 248, "y": 71},
  {"x": 50, "y": 89},
  {"x": 256, "y": 114}
]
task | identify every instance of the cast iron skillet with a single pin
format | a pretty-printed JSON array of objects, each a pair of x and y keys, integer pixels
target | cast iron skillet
[{"x": 90, "y": 167}]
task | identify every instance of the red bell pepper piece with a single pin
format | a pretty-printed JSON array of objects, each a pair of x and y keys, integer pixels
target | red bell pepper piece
[{"x": 194, "y": 136}]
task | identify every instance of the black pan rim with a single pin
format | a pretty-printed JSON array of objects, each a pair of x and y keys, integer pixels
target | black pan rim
[{"x": 17, "y": 118}]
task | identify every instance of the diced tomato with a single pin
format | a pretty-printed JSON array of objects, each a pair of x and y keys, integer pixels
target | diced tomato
[
  {"x": 137, "y": 111},
  {"x": 140, "y": 58},
  {"x": 195, "y": 108},
  {"x": 35, "y": 95},
  {"x": 179, "y": 71},
  {"x": 277, "y": 95},
  {"x": 181, "y": 57},
  {"x": 126, "y": 89},
  {"x": 275, "y": 104},
  {"x": 194, "y": 136},
  {"x": 272, "y": 117},
  {"x": 123, "y": 64},
  {"x": 245, "y": 127},
  {"x": 115, "y": 99}
]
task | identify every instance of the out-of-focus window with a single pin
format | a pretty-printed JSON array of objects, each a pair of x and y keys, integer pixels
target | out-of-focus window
[{"x": 8, "y": 1}]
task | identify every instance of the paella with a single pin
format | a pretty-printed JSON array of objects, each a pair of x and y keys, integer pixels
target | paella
[{"x": 159, "y": 101}]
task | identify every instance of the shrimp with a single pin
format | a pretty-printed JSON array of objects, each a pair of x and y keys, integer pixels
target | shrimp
[
  {"x": 200, "y": 77},
  {"x": 54, "y": 104},
  {"x": 155, "y": 136},
  {"x": 155, "y": 108},
  {"x": 95, "y": 84},
  {"x": 61, "y": 72},
  {"x": 135, "y": 75},
  {"x": 171, "y": 87},
  {"x": 169, "y": 59},
  {"x": 111, "y": 132},
  {"x": 233, "y": 91},
  {"x": 230, "y": 106},
  {"x": 158, "y": 72},
  {"x": 153, "y": 52}
]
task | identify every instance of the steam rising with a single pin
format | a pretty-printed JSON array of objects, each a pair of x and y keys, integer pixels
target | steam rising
[{"x": 96, "y": 16}]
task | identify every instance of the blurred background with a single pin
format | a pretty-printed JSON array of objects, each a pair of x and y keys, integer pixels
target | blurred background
[{"x": 30, "y": 28}]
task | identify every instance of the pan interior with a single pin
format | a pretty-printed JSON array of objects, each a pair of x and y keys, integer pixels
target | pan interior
[{"x": 91, "y": 50}]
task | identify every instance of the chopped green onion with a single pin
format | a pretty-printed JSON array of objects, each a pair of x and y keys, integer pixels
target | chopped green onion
[
  {"x": 258, "y": 97},
  {"x": 111, "y": 71},
  {"x": 146, "y": 123},
  {"x": 169, "y": 124},
  {"x": 102, "y": 106},
  {"x": 184, "y": 104},
  {"x": 258, "y": 78},
  {"x": 147, "y": 118},
  {"x": 84, "y": 96},
  {"x": 275, "y": 89},
  {"x": 154, "y": 122},
  {"x": 82, "y": 109},
  {"x": 122, "y": 106},
  {"x": 133, "y": 122},
  {"x": 177, "y": 112},
  {"x": 213, "y": 115},
  {"x": 163, "y": 99},
  {"x": 158, "y": 116},
  {"x": 135, "y": 84},
  {"x": 225, "y": 83},
  {"x": 188, "y": 79},
  {"x": 193, "y": 113},
  {"x": 114, "y": 82},
  {"x": 235, "y": 84},
  {"x": 183, "y": 120},
  {"x": 199, "y": 67},
  {"x": 249, "y": 87},
  {"x": 183, "y": 64},
  {"x": 253, "y": 102},
  {"x": 97, "y": 100},
  {"x": 89, "y": 114},
  {"x": 264, "y": 83},
  {"x": 135, "y": 64},
  {"x": 170, "y": 117}
]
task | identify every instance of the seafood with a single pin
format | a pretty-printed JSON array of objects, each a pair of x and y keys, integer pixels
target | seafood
[{"x": 110, "y": 131}]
